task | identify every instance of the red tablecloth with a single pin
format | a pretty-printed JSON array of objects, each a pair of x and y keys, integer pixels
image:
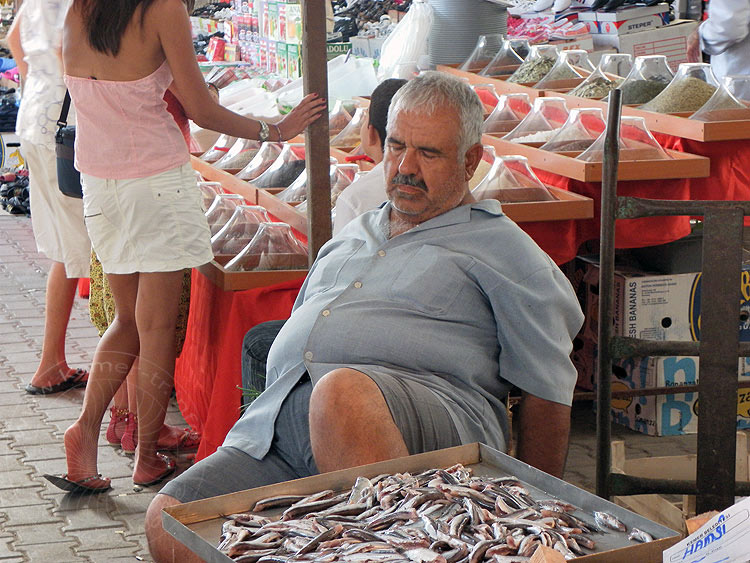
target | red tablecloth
[{"x": 208, "y": 371}]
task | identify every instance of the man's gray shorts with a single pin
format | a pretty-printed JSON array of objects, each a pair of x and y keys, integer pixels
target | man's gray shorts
[{"x": 424, "y": 422}]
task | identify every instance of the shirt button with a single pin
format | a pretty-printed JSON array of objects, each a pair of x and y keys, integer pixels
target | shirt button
[
  {"x": 308, "y": 355},
  {"x": 326, "y": 312},
  {"x": 357, "y": 284},
  {"x": 381, "y": 253}
]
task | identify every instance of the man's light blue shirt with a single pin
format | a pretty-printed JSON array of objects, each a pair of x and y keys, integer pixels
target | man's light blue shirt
[{"x": 465, "y": 303}]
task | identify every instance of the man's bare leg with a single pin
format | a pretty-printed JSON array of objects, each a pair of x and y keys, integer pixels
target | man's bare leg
[
  {"x": 163, "y": 547},
  {"x": 350, "y": 422}
]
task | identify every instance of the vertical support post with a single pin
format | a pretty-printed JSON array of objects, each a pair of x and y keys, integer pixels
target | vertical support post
[
  {"x": 317, "y": 151},
  {"x": 719, "y": 343},
  {"x": 606, "y": 293}
]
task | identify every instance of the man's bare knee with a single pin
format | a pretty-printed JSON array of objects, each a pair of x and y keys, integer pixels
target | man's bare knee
[
  {"x": 161, "y": 544},
  {"x": 345, "y": 388}
]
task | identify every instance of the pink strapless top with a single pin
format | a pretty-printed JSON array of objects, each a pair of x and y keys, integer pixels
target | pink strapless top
[{"x": 123, "y": 128}]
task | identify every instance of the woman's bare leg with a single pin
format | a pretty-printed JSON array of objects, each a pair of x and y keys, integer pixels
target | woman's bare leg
[
  {"x": 61, "y": 291},
  {"x": 112, "y": 360},
  {"x": 156, "y": 314}
]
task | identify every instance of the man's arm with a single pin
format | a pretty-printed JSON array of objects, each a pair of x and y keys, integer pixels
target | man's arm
[
  {"x": 13, "y": 40},
  {"x": 543, "y": 429},
  {"x": 727, "y": 24}
]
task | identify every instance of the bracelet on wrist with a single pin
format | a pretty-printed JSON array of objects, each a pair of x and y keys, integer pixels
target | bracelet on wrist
[
  {"x": 278, "y": 131},
  {"x": 212, "y": 86}
]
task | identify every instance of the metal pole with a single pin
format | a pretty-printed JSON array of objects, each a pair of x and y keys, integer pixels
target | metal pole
[
  {"x": 606, "y": 293},
  {"x": 317, "y": 151},
  {"x": 719, "y": 341}
]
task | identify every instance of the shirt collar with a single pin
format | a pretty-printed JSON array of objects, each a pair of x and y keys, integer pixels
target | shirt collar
[{"x": 460, "y": 214}]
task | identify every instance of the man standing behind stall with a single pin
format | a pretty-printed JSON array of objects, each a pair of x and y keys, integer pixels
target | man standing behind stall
[
  {"x": 725, "y": 36},
  {"x": 410, "y": 329}
]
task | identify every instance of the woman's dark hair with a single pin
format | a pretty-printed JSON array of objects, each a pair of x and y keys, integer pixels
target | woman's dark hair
[{"x": 105, "y": 21}]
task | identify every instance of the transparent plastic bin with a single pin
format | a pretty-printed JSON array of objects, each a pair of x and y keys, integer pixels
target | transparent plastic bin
[
  {"x": 536, "y": 65},
  {"x": 239, "y": 156},
  {"x": 511, "y": 180},
  {"x": 505, "y": 62},
  {"x": 219, "y": 149},
  {"x": 263, "y": 159},
  {"x": 547, "y": 115},
  {"x": 349, "y": 136},
  {"x": 239, "y": 230},
  {"x": 724, "y": 105},
  {"x": 689, "y": 90},
  {"x": 297, "y": 190},
  {"x": 570, "y": 65},
  {"x": 646, "y": 80},
  {"x": 636, "y": 143},
  {"x": 485, "y": 50},
  {"x": 274, "y": 247},
  {"x": 580, "y": 131},
  {"x": 339, "y": 117},
  {"x": 612, "y": 70},
  {"x": 285, "y": 169},
  {"x": 221, "y": 210},
  {"x": 508, "y": 113},
  {"x": 487, "y": 95},
  {"x": 209, "y": 191}
]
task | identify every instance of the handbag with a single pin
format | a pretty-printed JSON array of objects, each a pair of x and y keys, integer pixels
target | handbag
[{"x": 68, "y": 178}]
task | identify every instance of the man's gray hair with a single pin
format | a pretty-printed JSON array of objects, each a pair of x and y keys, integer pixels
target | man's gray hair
[{"x": 431, "y": 92}]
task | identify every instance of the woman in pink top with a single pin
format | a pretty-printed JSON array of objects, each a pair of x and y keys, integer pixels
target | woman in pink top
[{"x": 141, "y": 202}]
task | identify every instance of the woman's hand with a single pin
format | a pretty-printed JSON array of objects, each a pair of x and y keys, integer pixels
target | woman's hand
[{"x": 307, "y": 111}]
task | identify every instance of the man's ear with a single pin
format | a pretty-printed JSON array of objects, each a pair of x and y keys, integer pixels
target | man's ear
[
  {"x": 373, "y": 137},
  {"x": 471, "y": 160}
]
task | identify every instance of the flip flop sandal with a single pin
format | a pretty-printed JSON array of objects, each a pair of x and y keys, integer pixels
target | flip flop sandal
[
  {"x": 76, "y": 378},
  {"x": 170, "y": 466},
  {"x": 80, "y": 486}
]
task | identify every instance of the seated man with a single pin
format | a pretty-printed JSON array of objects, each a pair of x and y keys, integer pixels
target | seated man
[{"x": 411, "y": 327}]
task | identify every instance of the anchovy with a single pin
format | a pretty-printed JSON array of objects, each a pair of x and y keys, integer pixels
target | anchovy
[
  {"x": 640, "y": 535},
  {"x": 274, "y": 502},
  {"x": 604, "y": 519}
]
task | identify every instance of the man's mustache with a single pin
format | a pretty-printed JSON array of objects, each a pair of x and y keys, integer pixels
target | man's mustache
[{"x": 408, "y": 180}]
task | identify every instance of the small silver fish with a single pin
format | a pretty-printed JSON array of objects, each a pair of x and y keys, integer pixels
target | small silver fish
[
  {"x": 639, "y": 535},
  {"x": 606, "y": 520}
]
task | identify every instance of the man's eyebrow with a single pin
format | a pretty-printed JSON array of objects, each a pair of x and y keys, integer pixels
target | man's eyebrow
[
  {"x": 394, "y": 140},
  {"x": 424, "y": 148}
]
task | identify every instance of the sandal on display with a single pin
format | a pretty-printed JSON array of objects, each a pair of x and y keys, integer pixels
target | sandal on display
[
  {"x": 75, "y": 379},
  {"x": 81, "y": 486},
  {"x": 169, "y": 467}
]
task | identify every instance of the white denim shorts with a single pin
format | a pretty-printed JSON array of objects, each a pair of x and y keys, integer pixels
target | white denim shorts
[{"x": 152, "y": 224}]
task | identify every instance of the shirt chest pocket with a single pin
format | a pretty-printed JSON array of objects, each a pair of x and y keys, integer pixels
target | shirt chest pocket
[
  {"x": 431, "y": 280},
  {"x": 325, "y": 274}
]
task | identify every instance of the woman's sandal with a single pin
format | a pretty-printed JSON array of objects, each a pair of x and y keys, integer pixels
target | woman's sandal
[
  {"x": 169, "y": 467},
  {"x": 187, "y": 440},
  {"x": 80, "y": 486},
  {"x": 117, "y": 425}
]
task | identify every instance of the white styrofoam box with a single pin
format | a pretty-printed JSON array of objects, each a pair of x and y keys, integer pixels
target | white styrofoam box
[
  {"x": 669, "y": 40},
  {"x": 633, "y": 26},
  {"x": 667, "y": 415}
]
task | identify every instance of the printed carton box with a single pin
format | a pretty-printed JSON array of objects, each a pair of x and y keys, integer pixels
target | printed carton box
[
  {"x": 282, "y": 59},
  {"x": 632, "y": 26},
  {"x": 667, "y": 415},
  {"x": 669, "y": 40},
  {"x": 293, "y": 60}
]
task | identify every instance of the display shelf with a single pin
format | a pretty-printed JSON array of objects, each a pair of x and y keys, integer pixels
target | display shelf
[
  {"x": 677, "y": 125},
  {"x": 681, "y": 165},
  {"x": 501, "y": 86},
  {"x": 569, "y": 205},
  {"x": 225, "y": 280},
  {"x": 198, "y": 524},
  {"x": 228, "y": 182}
]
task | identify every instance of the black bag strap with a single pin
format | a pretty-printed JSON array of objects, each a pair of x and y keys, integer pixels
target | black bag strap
[{"x": 63, "y": 121}]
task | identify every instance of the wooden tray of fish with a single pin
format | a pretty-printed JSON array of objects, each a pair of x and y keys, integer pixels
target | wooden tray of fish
[
  {"x": 681, "y": 165},
  {"x": 416, "y": 512},
  {"x": 677, "y": 125}
]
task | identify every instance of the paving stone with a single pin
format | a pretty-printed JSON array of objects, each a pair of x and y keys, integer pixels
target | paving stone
[
  {"x": 12, "y": 399},
  {"x": 123, "y": 555},
  {"x": 6, "y": 449},
  {"x": 24, "y": 423},
  {"x": 7, "y": 551},
  {"x": 37, "y": 436},
  {"x": 64, "y": 412},
  {"x": 11, "y": 337},
  {"x": 47, "y": 451},
  {"x": 31, "y": 515},
  {"x": 81, "y": 518},
  {"x": 14, "y": 479},
  {"x": 59, "y": 552},
  {"x": 97, "y": 539},
  {"x": 11, "y": 498},
  {"x": 37, "y": 535},
  {"x": 10, "y": 349}
]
